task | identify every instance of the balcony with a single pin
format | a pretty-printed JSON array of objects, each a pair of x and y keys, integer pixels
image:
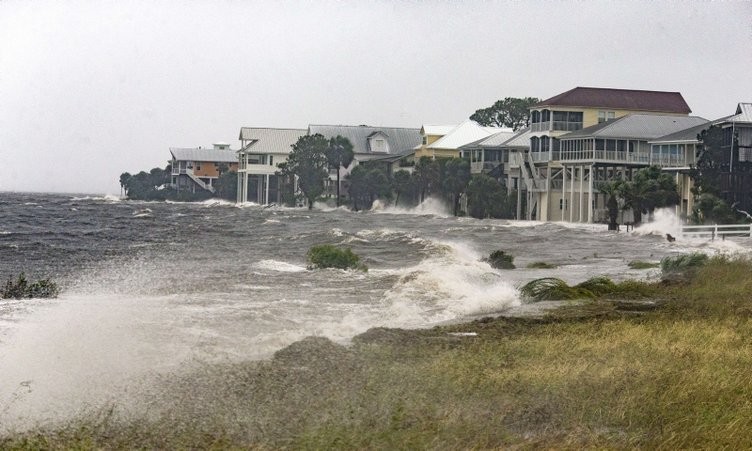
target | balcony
[{"x": 617, "y": 156}]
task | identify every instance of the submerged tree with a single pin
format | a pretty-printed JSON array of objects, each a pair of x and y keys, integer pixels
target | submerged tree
[
  {"x": 455, "y": 180},
  {"x": 427, "y": 176},
  {"x": 308, "y": 163},
  {"x": 487, "y": 198},
  {"x": 650, "y": 188},
  {"x": 402, "y": 184},
  {"x": 368, "y": 184},
  {"x": 510, "y": 112},
  {"x": 339, "y": 154}
]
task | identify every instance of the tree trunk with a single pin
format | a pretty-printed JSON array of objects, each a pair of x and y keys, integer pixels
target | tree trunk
[{"x": 337, "y": 203}]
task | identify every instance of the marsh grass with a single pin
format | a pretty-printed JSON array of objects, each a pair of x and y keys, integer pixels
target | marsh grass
[
  {"x": 591, "y": 375},
  {"x": 541, "y": 265},
  {"x": 639, "y": 264}
]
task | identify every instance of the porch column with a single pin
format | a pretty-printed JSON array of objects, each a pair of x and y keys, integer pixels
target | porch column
[
  {"x": 266, "y": 194},
  {"x": 571, "y": 194},
  {"x": 582, "y": 193},
  {"x": 590, "y": 197},
  {"x": 563, "y": 191}
]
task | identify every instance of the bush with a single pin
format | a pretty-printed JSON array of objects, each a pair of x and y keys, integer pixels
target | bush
[
  {"x": 541, "y": 265},
  {"x": 552, "y": 288},
  {"x": 21, "y": 288},
  {"x": 329, "y": 256},
  {"x": 683, "y": 264},
  {"x": 638, "y": 264},
  {"x": 500, "y": 260}
]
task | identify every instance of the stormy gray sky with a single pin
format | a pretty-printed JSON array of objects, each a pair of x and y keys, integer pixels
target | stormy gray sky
[{"x": 90, "y": 89}]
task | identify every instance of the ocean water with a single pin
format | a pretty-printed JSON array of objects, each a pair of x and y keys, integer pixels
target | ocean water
[{"x": 150, "y": 289}]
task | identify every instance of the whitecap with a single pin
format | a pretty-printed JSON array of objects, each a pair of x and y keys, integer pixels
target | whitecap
[{"x": 276, "y": 265}]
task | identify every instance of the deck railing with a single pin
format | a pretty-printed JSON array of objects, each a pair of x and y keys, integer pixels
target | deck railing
[{"x": 712, "y": 231}]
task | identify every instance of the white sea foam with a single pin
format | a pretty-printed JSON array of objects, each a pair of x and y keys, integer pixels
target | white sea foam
[
  {"x": 451, "y": 284},
  {"x": 322, "y": 206},
  {"x": 217, "y": 203},
  {"x": 430, "y": 206},
  {"x": 275, "y": 265},
  {"x": 105, "y": 198},
  {"x": 664, "y": 221}
]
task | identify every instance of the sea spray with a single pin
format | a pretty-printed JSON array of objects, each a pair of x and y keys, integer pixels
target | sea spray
[
  {"x": 452, "y": 282},
  {"x": 430, "y": 206}
]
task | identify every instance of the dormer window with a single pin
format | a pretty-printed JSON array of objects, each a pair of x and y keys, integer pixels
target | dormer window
[{"x": 377, "y": 142}]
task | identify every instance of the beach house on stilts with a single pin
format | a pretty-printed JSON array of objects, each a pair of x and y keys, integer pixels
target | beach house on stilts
[{"x": 585, "y": 137}]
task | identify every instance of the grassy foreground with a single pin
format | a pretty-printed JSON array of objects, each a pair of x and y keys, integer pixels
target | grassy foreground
[{"x": 604, "y": 374}]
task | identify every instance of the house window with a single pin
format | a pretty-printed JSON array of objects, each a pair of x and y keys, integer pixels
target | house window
[
  {"x": 198, "y": 167},
  {"x": 379, "y": 145},
  {"x": 605, "y": 116},
  {"x": 271, "y": 160},
  {"x": 425, "y": 140},
  {"x": 562, "y": 204},
  {"x": 567, "y": 120}
]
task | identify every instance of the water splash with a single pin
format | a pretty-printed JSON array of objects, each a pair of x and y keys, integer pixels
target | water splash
[
  {"x": 430, "y": 206},
  {"x": 664, "y": 222}
]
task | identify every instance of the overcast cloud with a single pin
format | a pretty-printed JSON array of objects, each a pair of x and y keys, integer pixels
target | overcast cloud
[{"x": 89, "y": 89}]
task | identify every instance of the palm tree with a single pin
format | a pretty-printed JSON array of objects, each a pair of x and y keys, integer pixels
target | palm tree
[
  {"x": 402, "y": 182},
  {"x": 456, "y": 177},
  {"x": 427, "y": 174},
  {"x": 339, "y": 153}
]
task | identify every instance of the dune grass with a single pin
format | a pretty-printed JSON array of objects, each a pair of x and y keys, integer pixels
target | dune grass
[
  {"x": 639, "y": 264},
  {"x": 594, "y": 375}
]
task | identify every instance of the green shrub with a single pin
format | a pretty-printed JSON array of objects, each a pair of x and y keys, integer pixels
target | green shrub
[
  {"x": 541, "y": 265},
  {"x": 330, "y": 256},
  {"x": 500, "y": 260},
  {"x": 639, "y": 264},
  {"x": 21, "y": 288},
  {"x": 682, "y": 264},
  {"x": 552, "y": 288}
]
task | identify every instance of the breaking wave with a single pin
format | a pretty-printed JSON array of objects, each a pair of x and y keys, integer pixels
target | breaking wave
[{"x": 430, "y": 206}]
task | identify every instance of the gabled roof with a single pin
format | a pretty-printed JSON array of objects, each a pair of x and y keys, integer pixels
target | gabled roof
[
  {"x": 492, "y": 141},
  {"x": 620, "y": 99},
  {"x": 519, "y": 141},
  {"x": 270, "y": 140},
  {"x": 198, "y": 154},
  {"x": 437, "y": 130},
  {"x": 465, "y": 133},
  {"x": 743, "y": 114},
  {"x": 688, "y": 134},
  {"x": 400, "y": 140},
  {"x": 638, "y": 126}
]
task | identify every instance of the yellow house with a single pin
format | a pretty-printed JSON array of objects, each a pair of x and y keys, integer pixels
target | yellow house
[
  {"x": 585, "y": 137},
  {"x": 444, "y": 141}
]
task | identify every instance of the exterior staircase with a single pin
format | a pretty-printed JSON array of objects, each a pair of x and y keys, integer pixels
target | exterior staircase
[{"x": 200, "y": 182}]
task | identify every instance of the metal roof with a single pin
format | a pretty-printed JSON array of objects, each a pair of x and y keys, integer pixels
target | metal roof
[
  {"x": 620, "y": 99},
  {"x": 437, "y": 130},
  {"x": 689, "y": 134},
  {"x": 465, "y": 133},
  {"x": 270, "y": 140},
  {"x": 743, "y": 114},
  {"x": 638, "y": 126},
  {"x": 520, "y": 140},
  {"x": 400, "y": 140},
  {"x": 211, "y": 155}
]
